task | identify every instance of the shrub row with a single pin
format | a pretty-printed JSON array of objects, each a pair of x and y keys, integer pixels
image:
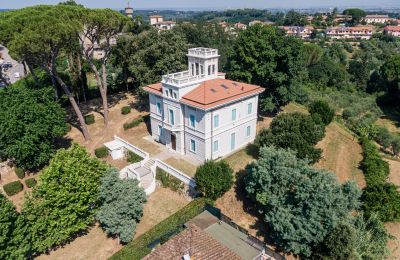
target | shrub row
[
  {"x": 375, "y": 169},
  {"x": 13, "y": 188},
  {"x": 101, "y": 152},
  {"x": 30, "y": 182},
  {"x": 135, "y": 122},
  {"x": 139, "y": 248},
  {"x": 133, "y": 158},
  {"x": 379, "y": 196},
  {"x": 168, "y": 181},
  {"x": 89, "y": 119},
  {"x": 126, "y": 110}
]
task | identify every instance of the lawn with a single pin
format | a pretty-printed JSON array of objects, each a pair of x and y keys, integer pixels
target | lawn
[
  {"x": 182, "y": 165},
  {"x": 341, "y": 155}
]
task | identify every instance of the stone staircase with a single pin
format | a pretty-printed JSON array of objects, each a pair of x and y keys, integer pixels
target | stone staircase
[{"x": 146, "y": 176}]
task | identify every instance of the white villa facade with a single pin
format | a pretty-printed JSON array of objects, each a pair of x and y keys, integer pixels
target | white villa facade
[{"x": 201, "y": 114}]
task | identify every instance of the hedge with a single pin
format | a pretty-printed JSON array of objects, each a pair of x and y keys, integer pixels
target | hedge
[
  {"x": 89, "y": 119},
  {"x": 20, "y": 173},
  {"x": 101, "y": 152},
  {"x": 13, "y": 188},
  {"x": 139, "y": 248},
  {"x": 133, "y": 158},
  {"x": 135, "y": 122},
  {"x": 126, "y": 110},
  {"x": 30, "y": 182},
  {"x": 376, "y": 170}
]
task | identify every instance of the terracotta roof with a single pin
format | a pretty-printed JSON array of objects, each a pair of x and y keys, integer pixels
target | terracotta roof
[
  {"x": 195, "y": 242},
  {"x": 392, "y": 28},
  {"x": 215, "y": 92},
  {"x": 154, "y": 88},
  {"x": 212, "y": 93}
]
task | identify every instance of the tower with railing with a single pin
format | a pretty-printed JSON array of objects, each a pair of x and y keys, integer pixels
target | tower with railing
[{"x": 203, "y": 61}]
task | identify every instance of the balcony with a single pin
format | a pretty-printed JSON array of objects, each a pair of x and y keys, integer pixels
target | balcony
[
  {"x": 181, "y": 78},
  {"x": 203, "y": 52}
]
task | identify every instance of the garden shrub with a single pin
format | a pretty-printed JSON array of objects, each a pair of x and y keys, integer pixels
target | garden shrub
[
  {"x": 101, "y": 152},
  {"x": 30, "y": 182},
  {"x": 322, "y": 112},
  {"x": 89, "y": 119},
  {"x": 140, "y": 247},
  {"x": 13, "y": 188},
  {"x": 134, "y": 123},
  {"x": 20, "y": 173},
  {"x": 133, "y": 158},
  {"x": 168, "y": 181},
  {"x": 126, "y": 110},
  {"x": 213, "y": 179}
]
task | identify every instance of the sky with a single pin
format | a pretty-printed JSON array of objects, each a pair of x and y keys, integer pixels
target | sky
[{"x": 209, "y": 4}]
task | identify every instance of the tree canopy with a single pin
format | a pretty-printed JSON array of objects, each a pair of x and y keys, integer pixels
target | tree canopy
[
  {"x": 213, "y": 179},
  {"x": 38, "y": 35},
  {"x": 121, "y": 205},
  {"x": 30, "y": 121},
  {"x": 296, "y": 131},
  {"x": 65, "y": 200},
  {"x": 300, "y": 204},
  {"x": 265, "y": 56}
]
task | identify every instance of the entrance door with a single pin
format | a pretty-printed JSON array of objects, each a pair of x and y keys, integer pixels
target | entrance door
[{"x": 173, "y": 141}]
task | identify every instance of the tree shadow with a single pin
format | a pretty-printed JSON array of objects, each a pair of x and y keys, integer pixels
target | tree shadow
[
  {"x": 263, "y": 230},
  {"x": 63, "y": 142}
]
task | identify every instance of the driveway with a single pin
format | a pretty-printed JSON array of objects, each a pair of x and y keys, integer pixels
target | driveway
[{"x": 16, "y": 67}]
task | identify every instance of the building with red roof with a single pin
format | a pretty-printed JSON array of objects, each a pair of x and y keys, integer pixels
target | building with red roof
[
  {"x": 392, "y": 30},
  {"x": 200, "y": 113}
]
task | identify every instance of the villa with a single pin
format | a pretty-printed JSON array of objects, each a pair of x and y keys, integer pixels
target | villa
[
  {"x": 201, "y": 114},
  {"x": 158, "y": 22}
]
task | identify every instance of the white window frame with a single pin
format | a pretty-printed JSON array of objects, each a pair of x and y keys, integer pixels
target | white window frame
[
  {"x": 215, "y": 142},
  {"x": 248, "y": 131},
  {"x": 194, "y": 120},
  {"x": 192, "y": 145},
  {"x": 171, "y": 119},
  {"x": 159, "y": 109},
  {"x": 250, "y": 108},
  {"x": 233, "y": 110},
  {"x": 160, "y": 131},
  {"x": 216, "y": 125},
  {"x": 233, "y": 144}
]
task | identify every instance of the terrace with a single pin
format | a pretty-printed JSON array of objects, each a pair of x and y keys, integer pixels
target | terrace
[{"x": 181, "y": 78}]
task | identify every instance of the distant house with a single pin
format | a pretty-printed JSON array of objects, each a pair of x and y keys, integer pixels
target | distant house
[
  {"x": 303, "y": 32},
  {"x": 208, "y": 237},
  {"x": 392, "y": 30},
  {"x": 200, "y": 113},
  {"x": 158, "y": 22},
  {"x": 240, "y": 26},
  {"x": 376, "y": 18},
  {"x": 260, "y": 22},
  {"x": 342, "y": 18},
  {"x": 357, "y": 32}
]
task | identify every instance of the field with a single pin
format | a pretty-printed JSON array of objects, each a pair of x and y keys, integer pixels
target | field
[{"x": 341, "y": 155}]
